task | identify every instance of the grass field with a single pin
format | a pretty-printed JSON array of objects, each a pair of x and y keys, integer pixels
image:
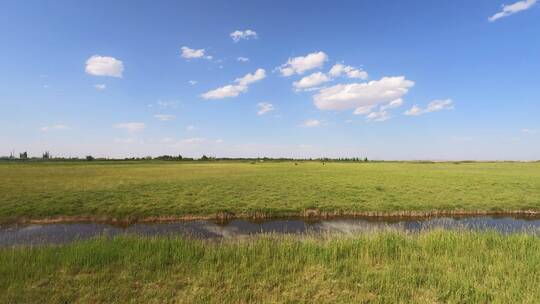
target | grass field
[
  {"x": 386, "y": 267},
  {"x": 145, "y": 189}
]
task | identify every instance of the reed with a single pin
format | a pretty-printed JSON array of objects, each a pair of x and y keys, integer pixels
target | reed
[{"x": 383, "y": 267}]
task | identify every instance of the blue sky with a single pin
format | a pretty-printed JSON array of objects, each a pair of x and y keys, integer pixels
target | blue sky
[{"x": 388, "y": 80}]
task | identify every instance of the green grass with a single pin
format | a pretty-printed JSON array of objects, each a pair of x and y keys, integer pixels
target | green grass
[
  {"x": 143, "y": 189},
  {"x": 385, "y": 267}
]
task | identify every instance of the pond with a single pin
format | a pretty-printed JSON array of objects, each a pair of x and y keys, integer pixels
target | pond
[{"x": 68, "y": 232}]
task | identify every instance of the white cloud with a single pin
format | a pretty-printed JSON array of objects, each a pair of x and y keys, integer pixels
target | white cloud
[
  {"x": 511, "y": 9},
  {"x": 414, "y": 111},
  {"x": 225, "y": 92},
  {"x": 312, "y": 80},
  {"x": 378, "y": 116},
  {"x": 193, "y": 82},
  {"x": 396, "y": 103},
  {"x": 189, "y": 53},
  {"x": 362, "y": 95},
  {"x": 438, "y": 105},
  {"x": 239, "y": 35},
  {"x": 249, "y": 78},
  {"x": 242, "y": 59},
  {"x": 236, "y": 89},
  {"x": 104, "y": 66},
  {"x": 100, "y": 86},
  {"x": 301, "y": 64},
  {"x": 311, "y": 123},
  {"x": 339, "y": 69},
  {"x": 58, "y": 127},
  {"x": 363, "y": 110},
  {"x": 264, "y": 107},
  {"x": 191, "y": 128},
  {"x": 434, "y": 106},
  {"x": 131, "y": 126},
  {"x": 164, "y": 117}
]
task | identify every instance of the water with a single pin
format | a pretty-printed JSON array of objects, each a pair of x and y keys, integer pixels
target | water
[{"x": 64, "y": 233}]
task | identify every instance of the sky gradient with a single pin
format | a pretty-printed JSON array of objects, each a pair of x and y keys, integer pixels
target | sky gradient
[{"x": 434, "y": 80}]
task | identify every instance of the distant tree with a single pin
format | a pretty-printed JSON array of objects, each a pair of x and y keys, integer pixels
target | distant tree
[
  {"x": 47, "y": 155},
  {"x": 204, "y": 157},
  {"x": 89, "y": 158},
  {"x": 23, "y": 155},
  {"x": 366, "y": 160}
]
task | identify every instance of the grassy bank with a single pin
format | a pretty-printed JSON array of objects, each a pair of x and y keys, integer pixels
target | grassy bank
[
  {"x": 433, "y": 267},
  {"x": 140, "y": 189}
]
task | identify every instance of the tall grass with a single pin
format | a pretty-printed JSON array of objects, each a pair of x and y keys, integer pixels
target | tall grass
[{"x": 385, "y": 267}]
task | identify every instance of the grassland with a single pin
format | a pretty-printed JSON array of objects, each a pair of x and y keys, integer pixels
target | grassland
[
  {"x": 148, "y": 189},
  {"x": 386, "y": 267}
]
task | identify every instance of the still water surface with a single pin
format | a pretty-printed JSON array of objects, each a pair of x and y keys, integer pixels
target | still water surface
[{"x": 69, "y": 232}]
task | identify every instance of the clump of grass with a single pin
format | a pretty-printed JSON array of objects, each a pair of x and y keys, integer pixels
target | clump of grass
[{"x": 384, "y": 267}]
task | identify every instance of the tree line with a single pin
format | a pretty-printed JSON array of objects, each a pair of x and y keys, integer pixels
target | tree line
[{"x": 47, "y": 156}]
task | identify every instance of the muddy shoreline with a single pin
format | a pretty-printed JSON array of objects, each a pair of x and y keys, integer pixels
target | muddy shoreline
[{"x": 310, "y": 214}]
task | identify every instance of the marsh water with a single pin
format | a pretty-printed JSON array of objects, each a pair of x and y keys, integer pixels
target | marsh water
[{"x": 69, "y": 232}]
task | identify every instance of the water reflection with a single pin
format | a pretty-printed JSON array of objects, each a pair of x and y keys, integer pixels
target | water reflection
[{"x": 63, "y": 233}]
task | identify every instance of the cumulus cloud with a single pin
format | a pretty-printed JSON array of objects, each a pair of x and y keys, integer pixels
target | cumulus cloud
[
  {"x": 311, "y": 123},
  {"x": 378, "y": 116},
  {"x": 164, "y": 117},
  {"x": 242, "y": 59},
  {"x": 312, "y": 80},
  {"x": 361, "y": 96},
  {"x": 239, "y": 35},
  {"x": 264, "y": 107},
  {"x": 193, "y": 82},
  {"x": 100, "y": 86},
  {"x": 249, "y": 78},
  {"x": 414, "y": 111},
  {"x": 434, "y": 106},
  {"x": 393, "y": 104},
  {"x": 104, "y": 66},
  {"x": 363, "y": 110},
  {"x": 58, "y": 127},
  {"x": 382, "y": 114},
  {"x": 339, "y": 69},
  {"x": 438, "y": 105},
  {"x": 301, "y": 64},
  {"x": 225, "y": 92},
  {"x": 131, "y": 126},
  {"x": 511, "y": 9},
  {"x": 234, "y": 90},
  {"x": 190, "y": 53}
]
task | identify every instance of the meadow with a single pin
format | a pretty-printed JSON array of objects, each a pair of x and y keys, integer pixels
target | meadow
[
  {"x": 386, "y": 267},
  {"x": 139, "y": 190}
]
